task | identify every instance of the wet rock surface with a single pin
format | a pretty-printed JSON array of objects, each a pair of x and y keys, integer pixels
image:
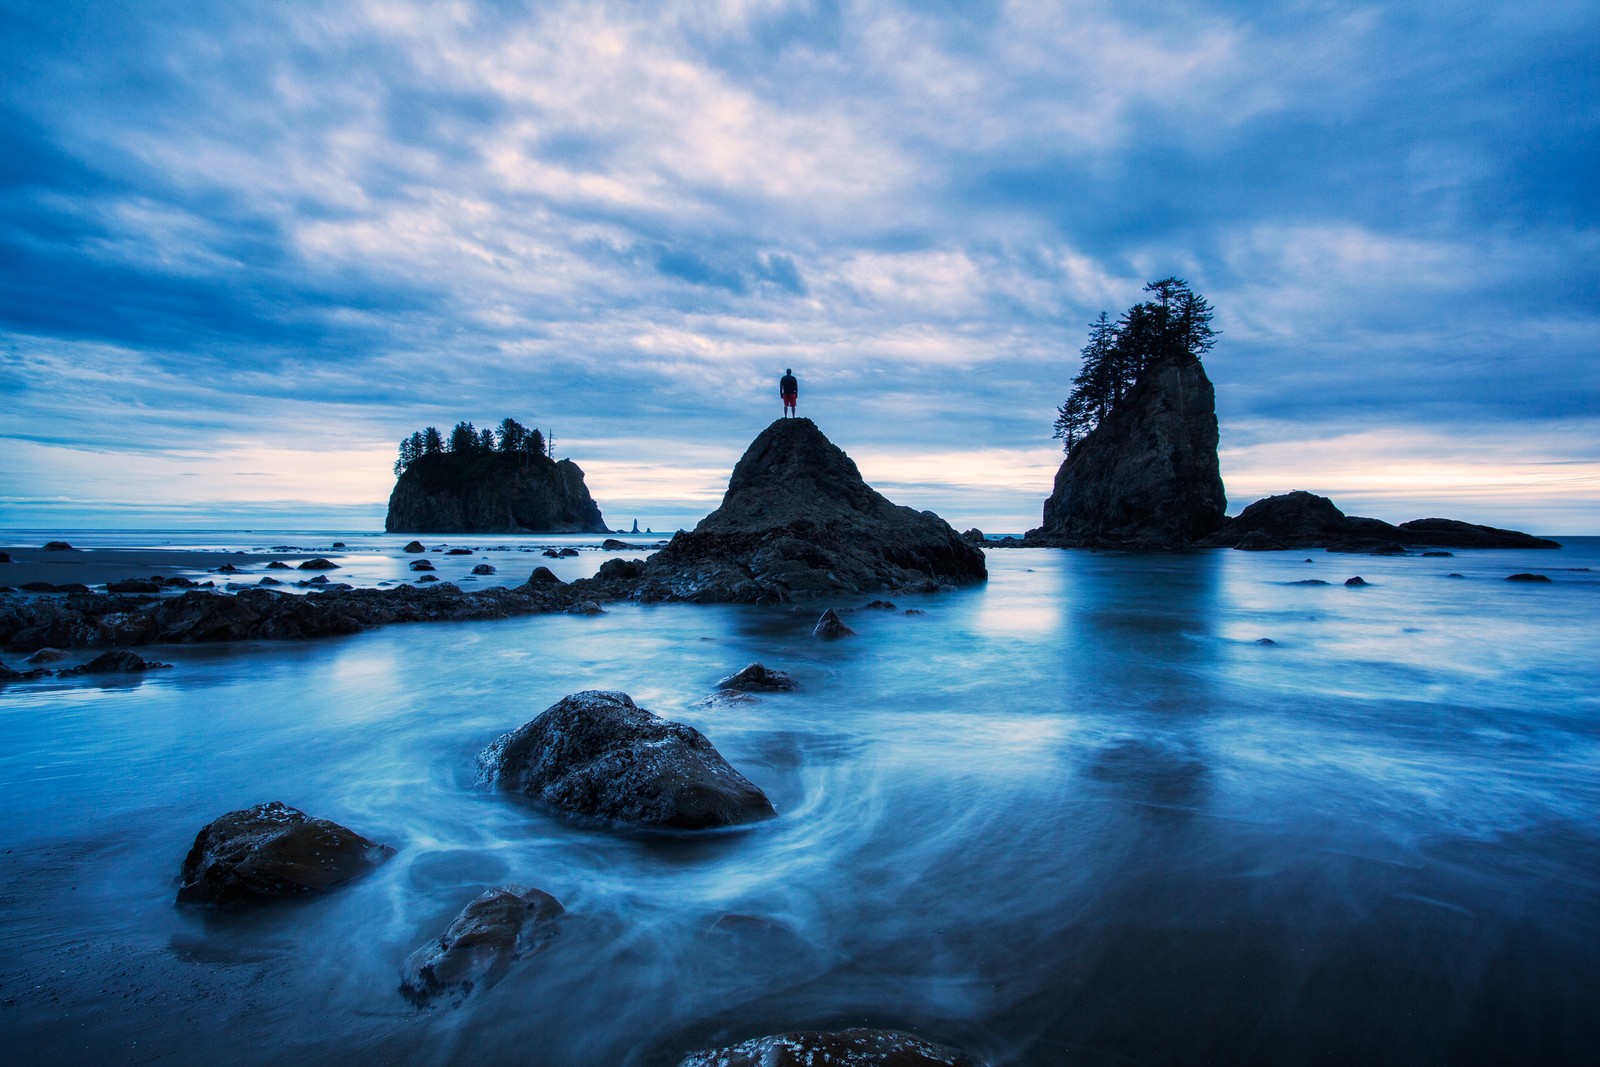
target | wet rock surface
[
  {"x": 797, "y": 519},
  {"x": 273, "y": 850},
  {"x": 756, "y": 678},
  {"x": 492, "y": 932},
  {"x": 836, "y": 1048},
  {"x": 1147, "y": 476},
  {"x": 119, "y": 662},
  {"x": 831, "y": 626},
  {"x": 599, "y": 754}
]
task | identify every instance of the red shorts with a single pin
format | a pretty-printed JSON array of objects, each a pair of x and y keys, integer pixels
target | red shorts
[{"x": 788, "y": 399}]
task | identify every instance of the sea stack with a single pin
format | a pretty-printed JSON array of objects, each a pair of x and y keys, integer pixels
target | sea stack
[
  {"x": 1147, "y": 476},
  {"x": 798, "y": 518},
  {"x": 492, "y": 492}
]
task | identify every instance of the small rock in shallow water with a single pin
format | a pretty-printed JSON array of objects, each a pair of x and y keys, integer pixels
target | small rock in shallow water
[
  {"x": 1526, "y": 578},
  {"x": 1309, "y": 581},
  {"x": 1453, "y": 574},
  {"x": 1438, "y": 553},
  {"x": 272, "y": 850},
  {"x": 586, "y": 607},
  {"x": 838, "y": 1048},
  {"x": 830, "y": 626},
  {"x": 319, "y": 564},
  {"x": 1266, "y": 642},
  {"x": 879, "y": 605},
  {"x": 458, "y": 552},
  {"x": 483, "y": 568},
  {"x": 415, "y": 546},
  {"x": 1356, "y": 581},
  {"x": 500, "y": 926},
  {"x": 58, "y": 546},
  {"x": 134, "y": 585},
  {"x": 47, "y": 655},
  {"x": 278, "y": 565},
  {"x": 543, "y": 576},
  {"x": 599, "y": 754},
  {"x": 422, "y": 565},
  {"x": 119, "y": 662},
  {"x": 756, "y": 678},
  {"x": 427, "y": 578}
]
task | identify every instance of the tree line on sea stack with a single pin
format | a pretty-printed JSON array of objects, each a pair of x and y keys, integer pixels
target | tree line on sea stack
[
  {"x": 511, "y": 436},
  {"x": 1175, "y": 323}
]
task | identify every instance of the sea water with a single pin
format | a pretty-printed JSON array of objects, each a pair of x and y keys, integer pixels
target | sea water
[{"x": 1076, "y": 815}]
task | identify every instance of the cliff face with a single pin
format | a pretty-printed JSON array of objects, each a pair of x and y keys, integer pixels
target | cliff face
[
  {"x": 1147, "y": 475},
  {"x": 492, "y": 492},
  {"x": 798, "y": 518}
]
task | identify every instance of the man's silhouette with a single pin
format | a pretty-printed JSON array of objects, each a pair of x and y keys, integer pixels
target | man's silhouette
[{"x": 789, "y": 389}]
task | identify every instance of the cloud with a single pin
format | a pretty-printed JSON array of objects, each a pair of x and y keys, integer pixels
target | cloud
[{"x": 226, "y": 225}]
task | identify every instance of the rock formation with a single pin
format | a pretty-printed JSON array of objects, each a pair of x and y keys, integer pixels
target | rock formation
[
  {"x": 1147, "y": 476},
  {"x": 798, "y": 518},
  {"x": 272, "y": 850},
  {"x": 837, "y": 1048},
  {"x": 1306, "y": 520},
  {"x": 600, "y": 754},
  {"x": 498, "y": 927},
  {"x": 492, "y": 492}
]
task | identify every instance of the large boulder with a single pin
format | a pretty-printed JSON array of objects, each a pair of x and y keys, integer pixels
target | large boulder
[
  {"x": 273, "y": 850},
  {"x": 798, "y": 518},
  {"x": 498, "y": 927},
  {"x": 836, "y": 1048},
  {"x": 501, "y": 492},
  {"x": 599, "y": 754},
  {"x": 1147, "y": 476}
]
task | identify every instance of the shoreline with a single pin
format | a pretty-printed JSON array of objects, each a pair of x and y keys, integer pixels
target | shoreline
[{"x": 96, "y": 566}]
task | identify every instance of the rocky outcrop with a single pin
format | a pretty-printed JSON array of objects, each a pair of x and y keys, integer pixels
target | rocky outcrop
[
  {"x": 831, "y": 626},
  {"x": 492, "y": 492},
  {"x": 252, "y": 614},
  {"x": 1147, "y": 476},
  {"x": 599, "y": 754},
  {"x": 797, "y": 519},
  {"x": 837, "y": 1048},
  {"x": 1306, "y": 520},
  {"x": 272, "y": 850},
  {"x": 499, "y": 927}
]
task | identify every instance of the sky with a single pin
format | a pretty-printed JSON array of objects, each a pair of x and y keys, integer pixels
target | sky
[{"x": 245, "y": 248}]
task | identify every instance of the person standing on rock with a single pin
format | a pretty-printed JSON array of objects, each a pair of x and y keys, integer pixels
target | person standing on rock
[{"x": 789, "y": 389}]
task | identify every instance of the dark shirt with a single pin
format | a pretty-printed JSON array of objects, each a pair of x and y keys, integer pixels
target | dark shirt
[{"x": 787, "y": 386}]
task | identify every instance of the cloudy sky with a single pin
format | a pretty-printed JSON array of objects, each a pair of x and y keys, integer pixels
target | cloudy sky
[{"x": 247, "y": 247}]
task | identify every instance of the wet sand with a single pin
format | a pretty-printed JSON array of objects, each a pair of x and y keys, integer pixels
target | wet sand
[{"x": 95, "y": 566}]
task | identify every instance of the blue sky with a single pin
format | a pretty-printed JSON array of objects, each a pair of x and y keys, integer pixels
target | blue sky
[{"x": 248, "y": 247}]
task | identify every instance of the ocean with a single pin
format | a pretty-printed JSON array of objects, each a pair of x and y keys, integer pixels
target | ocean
[{"x": 1080, "y": 814}]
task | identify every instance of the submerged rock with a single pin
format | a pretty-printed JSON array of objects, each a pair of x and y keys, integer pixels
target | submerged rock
[
  {"x": 798, "y": 518},
  {"x": 134, "y": 585},
  {"x": 458, "y": 551},
  {"x": 1527, "y": 578},
  {"x": 319, "y": 564},
  {"x": 1148, "y": 474},
  {"x": 273, "y": 850},
  {"x": 500, "y": 926},
  {"x": 837, "y": 1048},
  {"x": 755, "y": 678},
  {"x": 422, "y": 565},
  {"x": 58, "y": 546},
  {"x": 119, "y": 662},
  {"x": 599, "y": 754}
]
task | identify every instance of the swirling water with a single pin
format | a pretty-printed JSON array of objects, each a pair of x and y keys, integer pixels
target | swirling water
[{"x": 1076, "y": 815}]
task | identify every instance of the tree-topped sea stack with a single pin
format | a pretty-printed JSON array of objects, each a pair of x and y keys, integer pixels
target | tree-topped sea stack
[
  {"x": 488, "y": 482},
  {"x": 798, "y": 518},
  {"x": 1141, "y": 432}
]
